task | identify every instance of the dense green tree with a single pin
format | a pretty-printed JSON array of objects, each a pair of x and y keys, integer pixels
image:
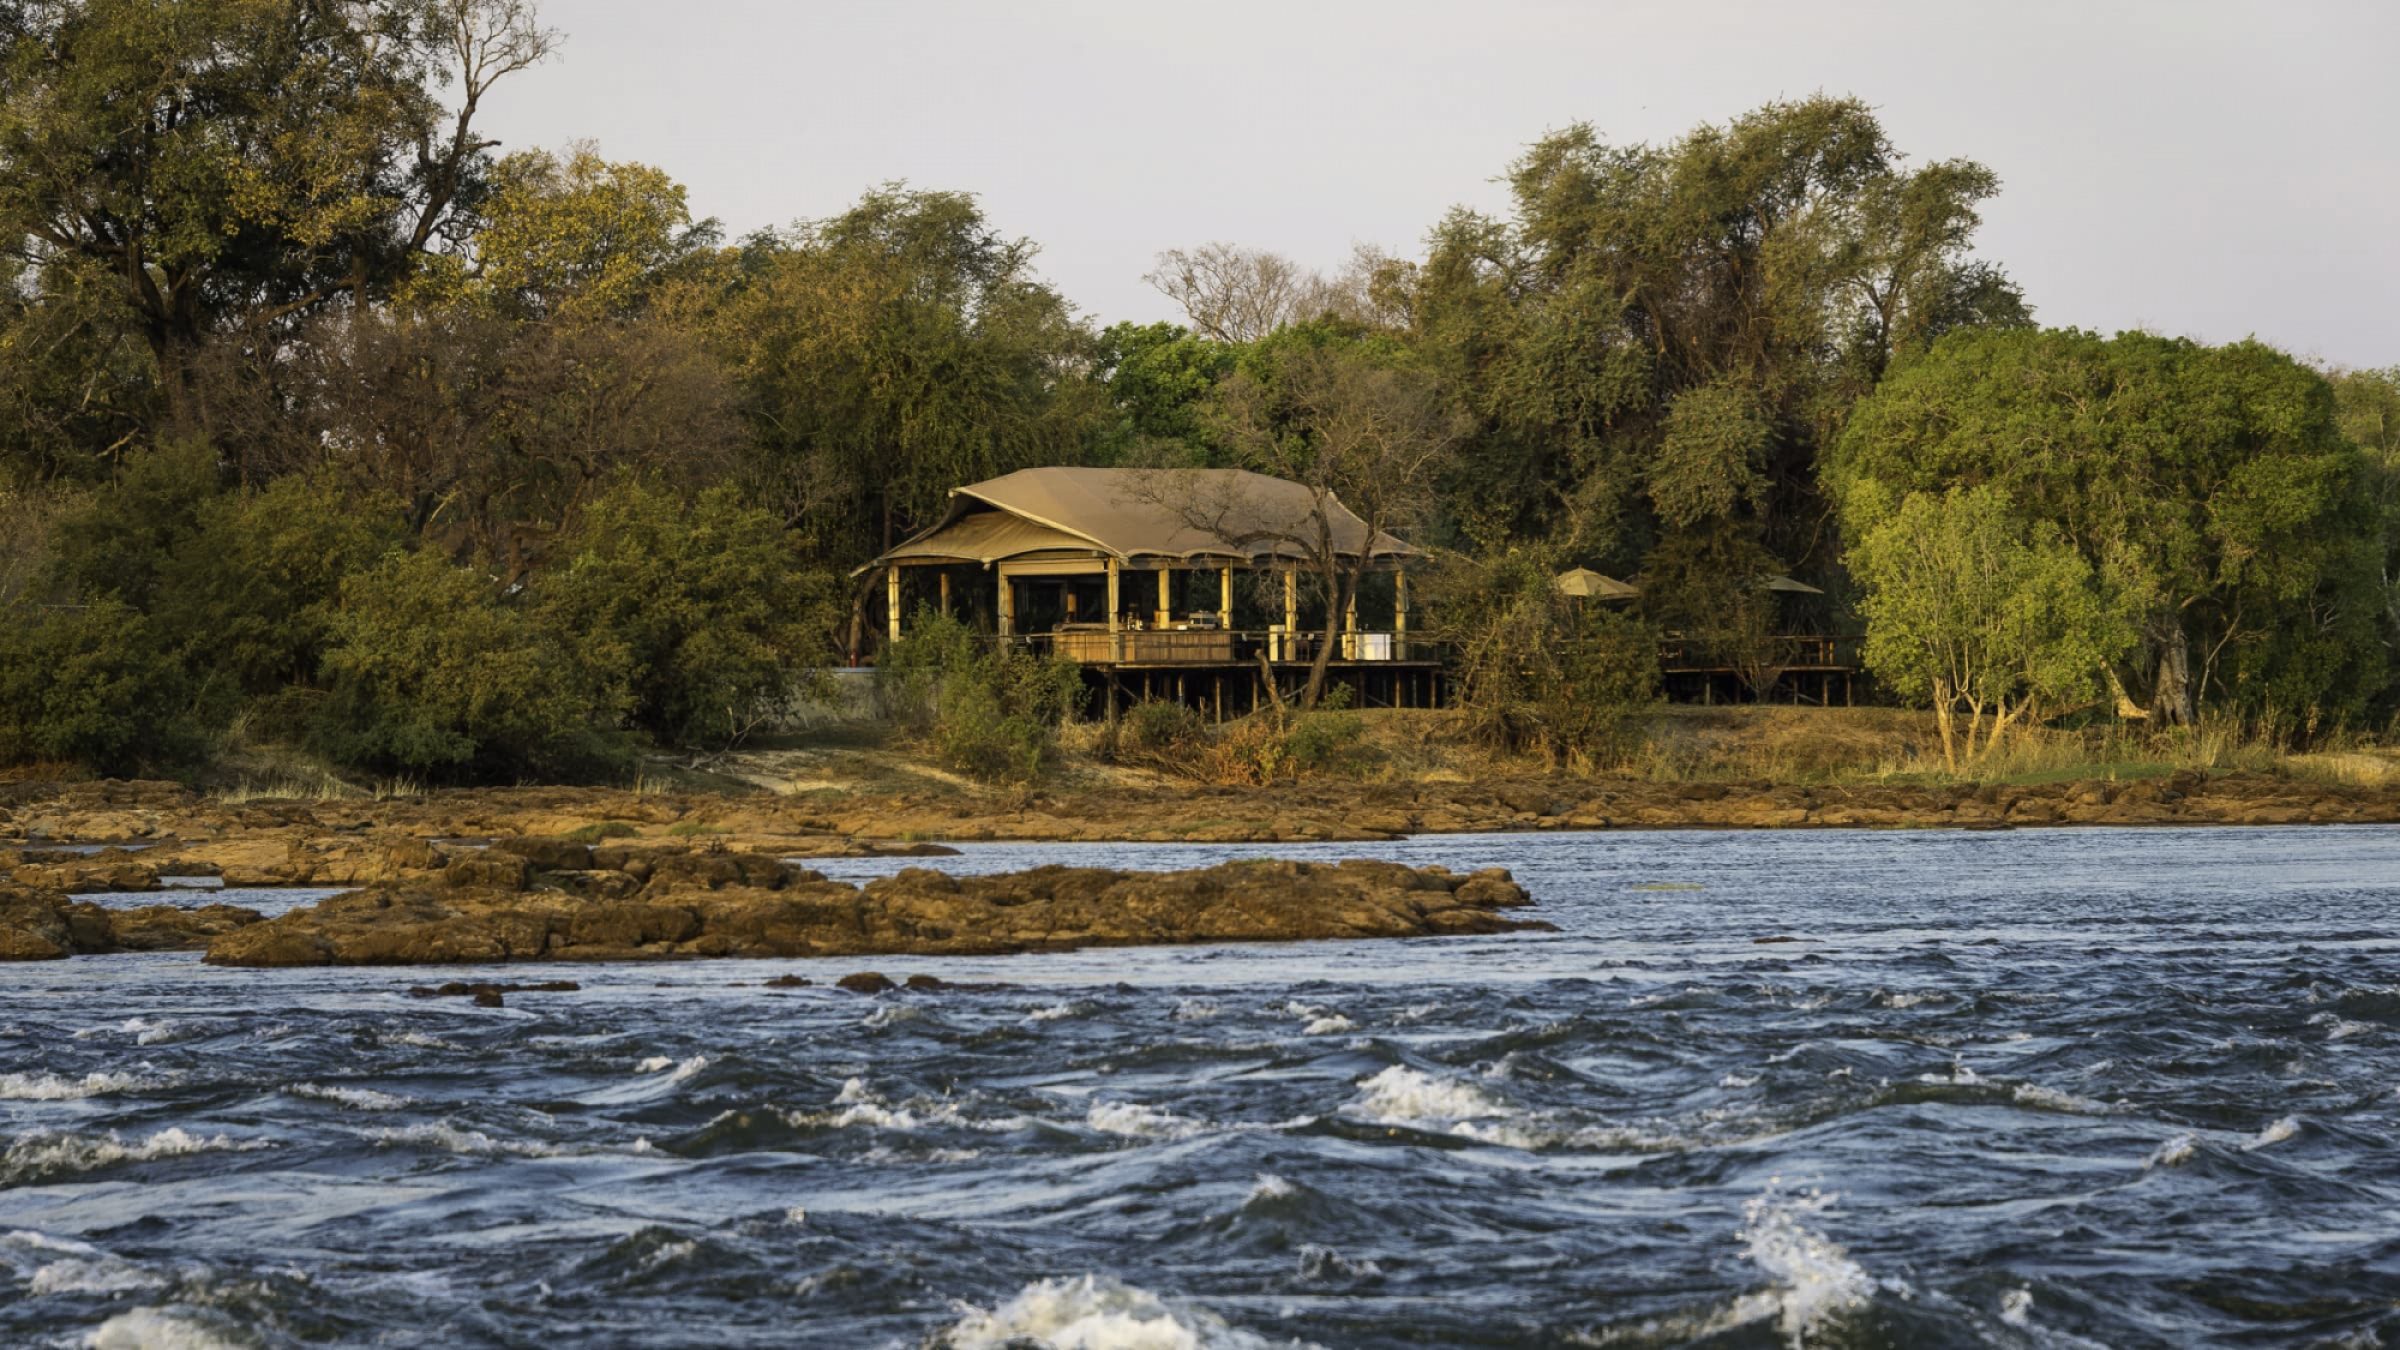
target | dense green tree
[
  {"x": 895, "y": 351},
  {"x": 234, "y": 164},
  {"x": 94, "y": 685},
  {"x": 1662, "y": 338},
  {"x": 2209, "y": 487},
  {"x": 247, "y": 598},
  {"x": 431, "y": 672},
  {"x": 573, "y": 237},
  {"x": 703, "y": 609},
  {"x": 1967, "y": 608},
  {"x": 1160, "y": 378}
]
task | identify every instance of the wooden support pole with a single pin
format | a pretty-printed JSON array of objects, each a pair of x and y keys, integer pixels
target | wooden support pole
[
  {"x": 1350, "y": 632},
  {"x": 1116, "y": 626},
  {"x": 891, "y": 599},
  {"x": 945, "y": 579},
  {"x": 1224, "y": 609},
  {"x": 1166, "y": 607},
  {"x": 1008, "y": 606},
  {"x": 1399, "y": 613},
  {"x": 1291, "y": 612}
]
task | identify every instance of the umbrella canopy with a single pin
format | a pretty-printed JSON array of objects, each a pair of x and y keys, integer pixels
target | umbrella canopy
[
  {"x": 1787, "y": 585},
  {"x": 1585, "y": 583}
]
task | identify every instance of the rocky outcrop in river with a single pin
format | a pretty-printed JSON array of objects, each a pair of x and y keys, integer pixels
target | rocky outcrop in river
[
  {"x": 628, "y": 904},
  {"x": 40, "y": 924}
]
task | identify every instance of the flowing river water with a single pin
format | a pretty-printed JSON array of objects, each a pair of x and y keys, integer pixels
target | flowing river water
[{"x": 2028, "y": 1088}]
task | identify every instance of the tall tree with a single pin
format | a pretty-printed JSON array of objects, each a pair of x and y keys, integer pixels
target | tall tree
[
  {"x": 2210, "y": 487},
  {"x": 894, "y": 352},
  {"x": 1359, "y": 433},
  {"x": 1661, "y": 338},
  {"x": 235, "y": 164},
  {"x": 1967, "y": 608}
]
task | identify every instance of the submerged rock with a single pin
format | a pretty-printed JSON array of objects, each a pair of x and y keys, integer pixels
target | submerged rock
[{"x": 738, "y": 905}]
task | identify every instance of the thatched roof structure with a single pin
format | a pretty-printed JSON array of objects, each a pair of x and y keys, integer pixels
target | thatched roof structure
[{"x": 1194, "y": 517}]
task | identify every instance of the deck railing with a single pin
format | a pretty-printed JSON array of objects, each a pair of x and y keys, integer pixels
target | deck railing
[{"x": 1218, "y": 646}]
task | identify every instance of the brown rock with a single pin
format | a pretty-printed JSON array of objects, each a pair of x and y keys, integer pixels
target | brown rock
[
  {"x": 549, "y": 855},
  {"x": 865, "y": 982},
  {"x": 489, "y": 870},
  {"x": 916, "y": 910}
]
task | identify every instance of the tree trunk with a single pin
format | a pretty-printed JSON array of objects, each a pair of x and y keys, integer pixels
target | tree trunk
[
  {"x": 1942, "y": 717},
  {"x": 1338, "y": 590},
  {"x": 2171, "y": 698}
]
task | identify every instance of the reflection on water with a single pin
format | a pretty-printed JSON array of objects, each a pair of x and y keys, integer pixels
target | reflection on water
[{"x": 2123, "y": 1087}]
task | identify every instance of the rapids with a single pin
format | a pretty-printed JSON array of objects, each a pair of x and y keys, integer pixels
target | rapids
[{"x": 2118, "y": 1087}]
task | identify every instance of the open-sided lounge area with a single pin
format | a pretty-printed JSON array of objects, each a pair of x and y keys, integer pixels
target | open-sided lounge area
[{"x": 1200, "y": 585}]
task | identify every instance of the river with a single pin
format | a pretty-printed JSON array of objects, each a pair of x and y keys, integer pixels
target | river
[{"x": 2118, "y": 1087}]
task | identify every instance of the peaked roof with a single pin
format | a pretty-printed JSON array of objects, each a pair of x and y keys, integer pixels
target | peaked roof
[
  {"x": 1584, "y": 582},
  {"x": 1222, "y": 515}
]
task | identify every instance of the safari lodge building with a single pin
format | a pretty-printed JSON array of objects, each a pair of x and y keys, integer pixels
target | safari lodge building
[{"x": 1180, "y": 584}]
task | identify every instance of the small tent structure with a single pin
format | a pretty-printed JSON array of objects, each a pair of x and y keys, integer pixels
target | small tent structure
[{"x": 1582, "y": 583}]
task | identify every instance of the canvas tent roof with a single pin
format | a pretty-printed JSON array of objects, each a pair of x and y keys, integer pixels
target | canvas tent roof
[
  {"x": 1186, "y": 515},
  {"x": 1787, "y": 585},
  {"x": 1586, "y": 583}
]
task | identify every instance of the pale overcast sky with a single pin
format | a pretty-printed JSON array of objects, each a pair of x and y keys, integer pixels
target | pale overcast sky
[{"x": 2198, "y": 167}]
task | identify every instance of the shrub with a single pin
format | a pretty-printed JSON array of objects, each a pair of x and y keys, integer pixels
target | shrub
[
  {"x": 993, "y": 716},
  {"x": 1538, "y": 673},
  {"x": 93, "y": 685},
  {"x": 432, "y": 673},
  {"x": 701, "y": 609},
  {"x": 1159, "y": 729}
]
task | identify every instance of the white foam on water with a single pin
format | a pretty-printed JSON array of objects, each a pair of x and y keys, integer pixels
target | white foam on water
[
  {"x": 2275, "y": 1134},
  {"x": 686, "y": 1069},
  {"x": 1195, "y": 1009},
  {"x": 50, "y": 1087},
  {"x": 452, "y": 1139},
  {"x": 2173, "y": 1153},
  {"x": 1400, "y": 1095},
  {"x": 356, "y": 1098},
  {"x": 1960, "y": 1075},
  {"x": 2016, "y": 1307},
  {"x": 857, "y": 1104},
  {"x": 1816, "y": 1281},
  {"x": 1318, "y": 1021},
  {"x": 1132, "y": 1120},
  {"x": 87, "y": 1275},
  {"x": 654, "y": 1064},
  {"x": 1091, "y": 1313},
  {"x": 2051, "y": 1099},
  {"x": 1735, "y": 1080},
  {"x": 1268, "y": 1187},
  {"x": 169, "y": 1328},
  {"x": 144, "y": 1030},
  {"x": 34, "y": 1154},
  {"x": 1054, "y": 1012},
  {"x": 1891, "y": 1000},
  {"x": 890, "y": 1014},
  {"x": 416, "y": 1038}
]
